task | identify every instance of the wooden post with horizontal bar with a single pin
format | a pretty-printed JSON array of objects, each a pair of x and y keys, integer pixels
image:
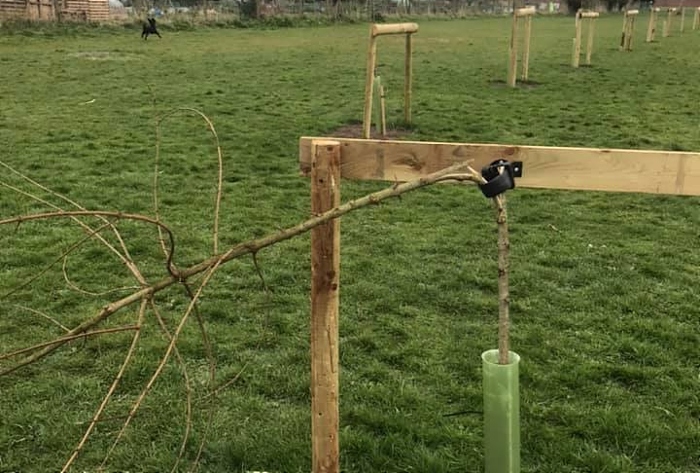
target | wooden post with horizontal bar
[
  {"x": 375, "y": 31},
  {"x": 526, "y": 14},
  {"x": 328, "y": 160},
  {"x": 588, "y": 18},
  {"x": 325, "y": 281},
  {"x": 651, "y": 27},
  {"x": 628, "y": 29}
]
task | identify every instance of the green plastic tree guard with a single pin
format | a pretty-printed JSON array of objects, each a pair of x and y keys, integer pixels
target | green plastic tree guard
[{"x": 501, "y": 413}]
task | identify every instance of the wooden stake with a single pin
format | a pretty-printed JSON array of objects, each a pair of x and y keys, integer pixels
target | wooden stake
[
  {"x": 369, "y": 83},
  {"x": 377, "y": 97},
  {"x": 325, "y": 278},
  {"x": 526, "y": 48},
  {"x": 577, "y": 40},
  {"x": 503, "y": 291},
  {"x": 408, "y": 79},
  {"x": 628, "y": 29},
  {"x": 589, "y": 43},
  {"x": 667, "y": 23},
  {"x": 382, "y": 110},
  {"x": 682, "y": 19},
  {"x": 696, "y": 18},
  {"x": 513, "y": 64},
  {"x": 651, "y": 28}
]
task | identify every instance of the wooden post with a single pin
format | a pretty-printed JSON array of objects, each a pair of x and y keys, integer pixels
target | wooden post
[
  {"x": 667, "y": 23},
  {"x": 513, "y": 63},
  {"x": 325, "y": 278},
  {"x": 682, "y": 20},
  {"x": 369, "y": 85},
  {"x": 526, "y": 47},
  {"x": 589, "y": 43},
  {"x": 577, "y": 40},
  {"x": 408, "y": 79},
  {"x": 628, "y": 29},
  {"x": 583, "y": 17},
  {"x": 651, "y": 28},
  {"x": 382, "y": 110},
  {"x": 696, "y": 18},
  {"x": 378, "y": 30},
  {"x": 377, "y": 97}
]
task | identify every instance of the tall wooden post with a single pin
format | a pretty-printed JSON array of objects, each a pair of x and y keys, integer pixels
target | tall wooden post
[
  {"x": 682, "y": 20},
  {"x": 628, "y": 29},
  {"x": 526, "y": 47},
  {"x": 651, "y": 28},
  {"x": 696, "y": 18},
  {"x": 513, "y": 50},
  {"x": 589, "y": 43},
  {"x": 408, "y": 79},
  {"x": 667, "y": 23},
  {"x": 577, "y": 40},
  {"x": 369, "y": 84},
  {"x": 325, "y": 280}
]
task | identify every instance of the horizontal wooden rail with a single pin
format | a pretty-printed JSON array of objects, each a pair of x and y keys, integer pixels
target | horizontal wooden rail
[
  {"x": 590, "y": 14},
  {"x": 394, "y": 28},
  {"x": 614, "y": 170},
  {"x": 632, "y": 12},
  {"x": 527, "y": 11}
]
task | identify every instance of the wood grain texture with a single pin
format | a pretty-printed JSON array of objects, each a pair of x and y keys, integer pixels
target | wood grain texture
[
  {"x": 325, "y": 281},
  {"x": 613, "y": 170}
]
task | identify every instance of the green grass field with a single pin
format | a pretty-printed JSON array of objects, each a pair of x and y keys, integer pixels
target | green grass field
[{"x": 604, "y": 286}]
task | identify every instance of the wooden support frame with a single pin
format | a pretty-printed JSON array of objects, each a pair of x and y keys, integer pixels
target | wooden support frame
[
  {"x": 651, "y": 27},
  {"x": 527, "y": 14},
  {"x": 696, "y": 18},
  {"x": 583, "y": 17},
  {"x": 328, "y": 160},
  {"x": 376, "y": 30},
  {"x": 628, "y": 21},
  {"x": 668, "y": 21}
]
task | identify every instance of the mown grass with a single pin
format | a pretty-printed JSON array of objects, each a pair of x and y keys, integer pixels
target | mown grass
[{"x": 604, "y": 298}]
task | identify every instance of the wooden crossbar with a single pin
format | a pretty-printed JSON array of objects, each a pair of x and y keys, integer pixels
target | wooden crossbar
[
  {"x": 527, "y": 11},
  {"x": 395, "y": 28},
  {"x": 593, "y": 169}
]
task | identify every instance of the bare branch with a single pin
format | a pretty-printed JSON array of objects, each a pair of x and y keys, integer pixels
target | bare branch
[
  {"x": 125, "y": 258},
  {"x": 250, "y": 246},
  {"x": 164, "y": 360},
  {"x": 219, "y": 186},
  {"x": 61, "y": 340},
  {"x": 112, "y": 388},
  {"x": 102, "y": 213},
  {"x": 48, "y": 317},
  {"x": 63, "y": 255}
]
